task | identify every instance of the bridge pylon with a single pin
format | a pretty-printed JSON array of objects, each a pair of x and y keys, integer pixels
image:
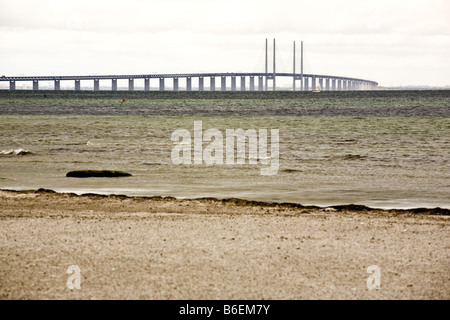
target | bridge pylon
[{"x": 271, "y": 76}]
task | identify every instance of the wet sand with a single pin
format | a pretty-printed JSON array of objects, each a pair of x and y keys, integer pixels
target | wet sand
[{"x": 164, "y": 248}]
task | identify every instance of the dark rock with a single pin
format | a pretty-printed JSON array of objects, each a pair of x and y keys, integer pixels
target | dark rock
[{"x": 97, "y": 174}]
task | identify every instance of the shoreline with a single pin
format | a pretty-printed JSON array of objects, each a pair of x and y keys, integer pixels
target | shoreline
[{"x": 243, "y": 202}]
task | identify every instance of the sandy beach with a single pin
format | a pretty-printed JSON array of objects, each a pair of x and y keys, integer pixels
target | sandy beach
[{"x": 164, "y": 248}]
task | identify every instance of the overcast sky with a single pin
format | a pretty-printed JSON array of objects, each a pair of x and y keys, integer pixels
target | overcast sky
[{"x": 392, "y": 42}]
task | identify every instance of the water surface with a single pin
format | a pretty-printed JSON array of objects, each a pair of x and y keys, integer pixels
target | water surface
[{"x": 389, "y": 151}]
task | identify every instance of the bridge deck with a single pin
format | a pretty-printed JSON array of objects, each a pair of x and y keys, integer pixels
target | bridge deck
[
  {"x": 176, "y": 75},
  {"x": 307, "y": 81}
]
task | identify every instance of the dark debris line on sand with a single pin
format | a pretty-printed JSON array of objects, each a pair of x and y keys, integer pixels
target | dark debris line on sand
[{"x": 251, "y": 203}]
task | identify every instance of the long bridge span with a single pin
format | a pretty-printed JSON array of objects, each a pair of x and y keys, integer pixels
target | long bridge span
[{"x": 228, "y": 81}]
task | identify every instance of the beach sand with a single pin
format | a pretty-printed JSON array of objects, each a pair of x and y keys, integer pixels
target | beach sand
[{"x": 164, "y": 248}]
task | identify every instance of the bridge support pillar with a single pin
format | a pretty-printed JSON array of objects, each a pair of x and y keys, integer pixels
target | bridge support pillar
[
  {"x": 233, "y": 83},
  {"x": 339, "y": 84},
  {"x": 96, "y": 85},
  {"x": 161, "y": 84},
  {"x": 313, "y": 83},
  {"x": 35, "y": 85},
  {"x": 146, "y": 84},
  {"x": 327, "y": 84},
  {"x": 306, "y": 84},
  {"x": 12, "y": 85},
  {"x": 201, "y": 85},
  {"x": 188, "y": 84},
  {"x": 271, "y": 78},
  {"x": 223, "y": 83},
  {"x": 57, "y": 85},
  {"x": 261, "y": 83},
  {"x": 333, "y": 84},
  {"x": 130, "y": 84},
  {"x": 321, "y": 84},
  {"x": 242, "y": 83},
  {"x": 175, "y": 84},
  {"x": 77, "y": 85},
  {"x": 344, "y": 85},
  {"x": 212, "y": 84},
  {"x": 252, "y": 83},
  {"x": 114, "y": 85}
]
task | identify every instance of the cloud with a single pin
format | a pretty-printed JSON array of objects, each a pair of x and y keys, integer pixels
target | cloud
[
  {"x": 373, "y": 39},
  {"x": 229, "y": 17}
]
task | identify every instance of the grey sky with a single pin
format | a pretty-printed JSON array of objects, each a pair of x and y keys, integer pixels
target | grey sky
[{"x": 393, "y": 42}]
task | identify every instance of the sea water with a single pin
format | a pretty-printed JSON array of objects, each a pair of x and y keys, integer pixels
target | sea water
[{"x": 389, "y": 151}]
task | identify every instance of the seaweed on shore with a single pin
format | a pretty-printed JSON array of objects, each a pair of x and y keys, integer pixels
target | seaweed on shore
[{"x": 250, "y": 203}]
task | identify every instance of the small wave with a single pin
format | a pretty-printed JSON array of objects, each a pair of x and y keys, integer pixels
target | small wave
[
  {"x": 290, "y": 170},
  {"x": 354, "y": 157},
  {"x": 346, "y": 141},
  {"x": 151, "y": 164},
  {"x": 17, "y": 152},
  {"x": 92, "y": 144}
]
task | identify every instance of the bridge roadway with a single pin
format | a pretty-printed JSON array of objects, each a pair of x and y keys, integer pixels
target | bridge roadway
[{"x": 307, "y": 82}]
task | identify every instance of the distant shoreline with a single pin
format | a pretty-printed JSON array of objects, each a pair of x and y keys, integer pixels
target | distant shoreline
[{"x": 168, "y": 94}]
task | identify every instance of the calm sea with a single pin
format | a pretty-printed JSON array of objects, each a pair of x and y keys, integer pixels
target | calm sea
[{"x": 380, "y": 149}]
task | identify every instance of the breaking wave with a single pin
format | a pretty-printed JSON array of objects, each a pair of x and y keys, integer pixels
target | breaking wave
[{"x": 16, "y": 152}]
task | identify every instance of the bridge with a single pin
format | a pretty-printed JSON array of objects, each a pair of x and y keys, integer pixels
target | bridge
[{"x": 228, "y": 81}]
